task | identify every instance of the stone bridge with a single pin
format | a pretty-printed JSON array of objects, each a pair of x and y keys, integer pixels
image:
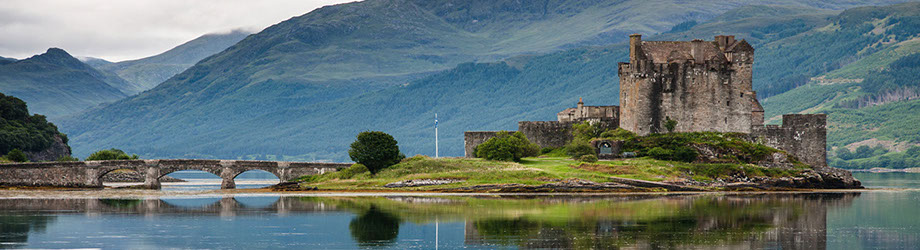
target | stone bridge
[{"x": 88, "y": 174}]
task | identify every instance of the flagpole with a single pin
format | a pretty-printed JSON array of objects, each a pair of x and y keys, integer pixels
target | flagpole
[{"x": 435, "y": 135}]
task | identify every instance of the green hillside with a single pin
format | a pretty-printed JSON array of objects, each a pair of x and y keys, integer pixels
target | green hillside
[
  {"x": 20, "y": 130},
  {"x": 146, "y": 73},
  {"x": 303, "y": 86},
  {"x": 56, "y": 84}
]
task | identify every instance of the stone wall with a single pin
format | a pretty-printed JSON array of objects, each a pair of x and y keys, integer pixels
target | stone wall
[
  {"x": 471, "y": 139},
  {"x": 802, "y": 135},
  {"x": 547, "y": 133}
]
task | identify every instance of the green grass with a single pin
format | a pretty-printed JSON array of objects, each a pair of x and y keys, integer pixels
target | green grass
[{"x": 533, "y": 171}]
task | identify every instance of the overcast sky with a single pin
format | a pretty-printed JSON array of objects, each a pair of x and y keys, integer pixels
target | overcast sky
[{"x": 118, "y": 30}]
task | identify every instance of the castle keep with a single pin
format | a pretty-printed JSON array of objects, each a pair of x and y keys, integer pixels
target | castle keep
[{"x": 703, "y": 85}]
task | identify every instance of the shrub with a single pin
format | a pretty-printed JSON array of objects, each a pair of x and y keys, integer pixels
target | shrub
[
  {"x": 670, "y": 125},
  {"x": 588, "y": 158},
  {"x": 67, "y": 158},
  {"x": 376, "y": 150},
  {"x": 586, "y": 131},
  {"x": 547, "y": 150},
  {"x": 619, "y": 134},
  {"x": 577, "y": 149},
  {"x": 355, "y": 169},
  {"x": 507, "y": 147},
  {"x": 660, "y": 153},
  {"x": 16, "y": 155},
  {"x": 685, "y": 154},
  {"x": 110, "y": 154}
]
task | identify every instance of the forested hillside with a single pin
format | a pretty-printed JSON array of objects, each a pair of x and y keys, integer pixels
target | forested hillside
[
  {"x": 870, "y": 98},
  {"x": 29, "y": 133},
  {"x": 56, "y": 84},
  {"x": 276, "y": 92}
]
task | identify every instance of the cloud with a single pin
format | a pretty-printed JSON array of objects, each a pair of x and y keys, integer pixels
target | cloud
[{"x": 119, "y": 30}]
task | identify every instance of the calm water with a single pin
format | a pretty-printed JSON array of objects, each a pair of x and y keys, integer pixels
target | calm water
[{"x": 868, "y": 220}]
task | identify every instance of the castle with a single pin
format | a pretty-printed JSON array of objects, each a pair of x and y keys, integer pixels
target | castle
[{"x": 703, "y": 85}]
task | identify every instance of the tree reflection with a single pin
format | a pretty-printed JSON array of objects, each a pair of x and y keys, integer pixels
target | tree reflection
[
  {"x": 14, "y": 229},
  {"x": 374, "y": 228}
]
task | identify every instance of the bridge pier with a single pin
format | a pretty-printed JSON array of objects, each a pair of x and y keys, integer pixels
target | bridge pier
[
  {"x": 152, "y": 178},
  {"x": 227, "y": 174}
]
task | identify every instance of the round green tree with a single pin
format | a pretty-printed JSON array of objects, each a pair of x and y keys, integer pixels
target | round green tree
[
  {"x": 375, "y": 150},
  {"x": 17, "y": 155}
]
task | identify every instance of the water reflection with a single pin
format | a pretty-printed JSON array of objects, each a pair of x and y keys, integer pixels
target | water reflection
[
  {"x": 765, "y": 221},
  {"x": 374, "y": 228}
]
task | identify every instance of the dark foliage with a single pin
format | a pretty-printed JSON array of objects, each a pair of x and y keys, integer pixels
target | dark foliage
[
  {"x": 17, "y": 155},
  {"x": 110, "y": 154},
  {"x": 507, "y": 147},
  {"x": 19, "y": 130},
  {"x": 375, "y": 150},
  {"x": 374, "y": 228}
]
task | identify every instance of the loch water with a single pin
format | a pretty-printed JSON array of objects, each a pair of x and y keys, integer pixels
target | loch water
[{"x": 877, "y": 219}]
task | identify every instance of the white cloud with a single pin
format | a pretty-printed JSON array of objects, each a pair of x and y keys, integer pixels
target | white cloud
[{"x": 119, "y": 30}]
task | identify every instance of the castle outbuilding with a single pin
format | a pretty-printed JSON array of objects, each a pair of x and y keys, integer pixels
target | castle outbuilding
[{"x": 703, "y": 85}]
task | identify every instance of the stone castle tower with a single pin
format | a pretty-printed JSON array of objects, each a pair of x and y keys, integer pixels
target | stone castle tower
[{"x": 703, "y": 85}]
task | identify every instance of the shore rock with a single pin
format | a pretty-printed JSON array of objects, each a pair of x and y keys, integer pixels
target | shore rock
[
  {"x": 421, "y": 182},
  {"x": 57, "y": 150}
]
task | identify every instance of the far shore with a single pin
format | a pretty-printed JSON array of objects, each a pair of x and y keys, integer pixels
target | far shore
[{"x": 886, "y": 170}]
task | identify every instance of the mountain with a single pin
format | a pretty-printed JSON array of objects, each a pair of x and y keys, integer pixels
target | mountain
[
  {"x": 94, "y": 62},
  {"x": 147, "y": 72},
  {"x": 56, "y": 84},
  {"x": 4, "y": 60},
  {"x": 303, "y": 68},
  {"x": 870, "y": 90}
]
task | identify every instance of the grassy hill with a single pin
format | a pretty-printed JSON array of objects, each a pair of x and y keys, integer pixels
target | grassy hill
[
  {"x": 870, "y": 100},
  {"x": 146, "y": 73},
  {"x": 56, "y": 84},
  {"x": 304, "y": 87}
]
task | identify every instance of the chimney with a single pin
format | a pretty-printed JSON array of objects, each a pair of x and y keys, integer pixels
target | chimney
[
  {"x": 724, "y": 41},
  {"x": 580, "y": 103},
  {"x": 635, "y": 40},
  {"x": 696, "y": 50}
]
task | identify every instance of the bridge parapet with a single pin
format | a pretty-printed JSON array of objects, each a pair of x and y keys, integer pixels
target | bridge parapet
[{"x": 89, "y": 173}]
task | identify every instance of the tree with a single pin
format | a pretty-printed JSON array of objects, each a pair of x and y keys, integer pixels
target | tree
[
  {"x": 507, "y": 147},
  {"x": 17, "y": 155},
  {"x": 670, "y": 125},
  {"x": 111, "y": 154},
  {"x": 586, "y": 131},
  {"x": 375, "y": 150},
  {"x": 576, "y": 149}
]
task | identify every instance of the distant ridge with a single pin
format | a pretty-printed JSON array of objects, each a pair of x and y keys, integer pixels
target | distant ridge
[{"x": 56, "y": 84}]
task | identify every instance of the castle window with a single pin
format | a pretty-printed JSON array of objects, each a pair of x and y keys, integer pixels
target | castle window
[
  {"x": 742, "y": 94},
  {"x": 728, "y": 103}
]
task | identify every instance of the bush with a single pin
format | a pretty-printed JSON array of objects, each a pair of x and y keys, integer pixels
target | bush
[
  {"x": 685, "y": 154},
  {"x": 586, "y": 131},
  {"x": 619, "y": 134},
  {"x": 110, "y": 154},
  {"x": 577, "y": 149},
  {"x": 376, "y": 150},
  {"x": 16, "y": 155},
  {"x": 507, "y": 147},
  {"x": 67, "y": 158},
  {"x": 355, "y": 169},
  {"x": 670, "y": 125},
  {"x": 660, "y": 153},
  {"x": 588, "y": 158},
  {"x": 547, "y": 150}
]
